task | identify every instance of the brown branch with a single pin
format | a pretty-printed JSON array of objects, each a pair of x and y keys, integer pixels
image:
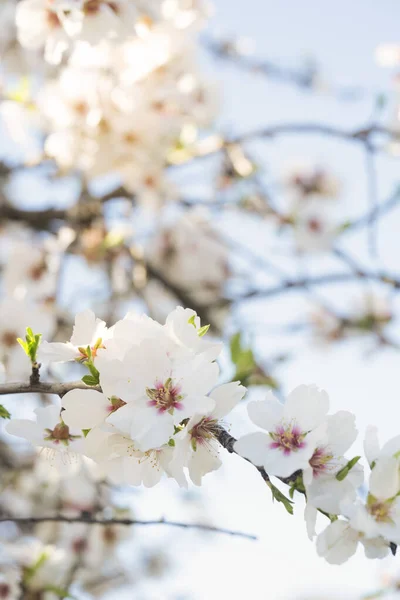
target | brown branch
[
  {"x": 90, "y": 520},
  {"x": 81, "y": 213},
  {"x": 58, "y": 389}
]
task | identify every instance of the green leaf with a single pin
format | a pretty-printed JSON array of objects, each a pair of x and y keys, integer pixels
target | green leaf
[
  {"x": 203, "y": 330},
  {"x": 31, "y": 571},
  {"x": 85, "y": 432},
  {"x": 342, "y": 474},
  {"x": 279, "y": 497},
  {"x": 31, "y": 344},
  {"x": 171, "y": 443},
  {"x": 90, "y": 380},
  {"x": 4, "y": 414},
  {"x": 236, "y": 347}
]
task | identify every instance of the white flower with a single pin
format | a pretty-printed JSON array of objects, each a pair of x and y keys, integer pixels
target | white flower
[
  {"x": 85, "y": 409},
  {"x": 294, "y": 430},
  {"x": 39, "y": 25},
  {"x": 180, "y": 335},
  {"x": 314, "y": 228},
  {"x": 88, "y": 331},
  {"x": 62, "y": 443},
  {"x": 27, "y": 273},
  {"x": 10, "y": 582},
  {"x": 182, "y": 326},
  {"x": 190, "y": 254},
  {"x": 197, "y": 446},
  {"x": 380, "y": 516},
  {"x": 323, "y": 490},
  {"x": 372, "y": 448},
  {"x": 159, "y": 392},
  {"x": 339, "y": 541},
  {"x": 128, "y": 465}
]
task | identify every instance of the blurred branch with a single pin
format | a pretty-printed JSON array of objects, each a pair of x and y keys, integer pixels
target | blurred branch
[
  {"x": 306, "y": 77},
  {"x": 297, "y": 284},
  {"x": 90, "y": 520},
  {"x": 372, "y": 191}
]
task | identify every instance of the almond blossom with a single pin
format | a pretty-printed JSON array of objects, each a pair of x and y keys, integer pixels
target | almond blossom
[
  {"x": 159, "y": 392},
  {"x": 197, "y": 446},
  {"x": 339, "y": 541},
  {"x": 294, "y": 430},
  {"x": 62, "y": 444},
  {"x": 88, "y": 332}
]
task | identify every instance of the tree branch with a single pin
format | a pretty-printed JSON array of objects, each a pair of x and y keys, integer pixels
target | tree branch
[
  {"x": 90, "y": 520},
  {"x": 305, "y": 78},
  {"x": 296, "y": 284},
  {"x": 59, "y": 389}
]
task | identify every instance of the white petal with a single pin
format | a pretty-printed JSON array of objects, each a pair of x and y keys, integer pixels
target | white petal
[
  {"x": 391, "y": 447},
  {"x": 384, "y": 481},
  {"x": 281, "y": 465},
  {"x": 48, "y": 417},
  {"x": 371, "y": 444},
  {"x": 57, "y": 352},
  {"x": 123, "y": 417},
  {"x": 194, "y": 405},
  {"x": 84, "y": 409},
  {"x": 226, "y": 397},
  {"x": 204, "y": 460},
  {"x": 310, "y": 516},
  {"x": 307, "y": 405},
  {"x": 23, "y": 428},
  {"x": 253, "y": 446},
  {"x": 337, "y": 543},
  {"x": 341, "y": 431},
  {"x": 266, "y": 413},
  {"x": 86, "y": 327},
  {"x": 198, "y": 376},
  {"x": 375, "y": 548}
]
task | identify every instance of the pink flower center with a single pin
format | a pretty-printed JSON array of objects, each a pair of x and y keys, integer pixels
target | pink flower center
[
  {"x": 315, "y": 225},
  {"x": 165, "y": 396},
  {"x": 205, "y": 429},
  {"x": 289, "y": 439},
  {"x": 320, "y": 461}
]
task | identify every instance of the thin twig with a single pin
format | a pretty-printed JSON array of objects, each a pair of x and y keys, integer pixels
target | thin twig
[
  {"x": 89, "y": 520},
  {"x": 372, "y": 188}
]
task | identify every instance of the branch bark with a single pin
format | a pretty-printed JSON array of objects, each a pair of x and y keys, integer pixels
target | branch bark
[
  {"x": 58, "y": 389},
  {"x": 90, "y": 520}
]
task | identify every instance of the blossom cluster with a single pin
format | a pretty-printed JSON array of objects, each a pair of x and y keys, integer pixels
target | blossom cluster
[
  {"x": 128, "y": 92},
  {"x": 42, "y": 563},
  {"x": 159, "y": 410},
  {"x": 153, "y": 407}
]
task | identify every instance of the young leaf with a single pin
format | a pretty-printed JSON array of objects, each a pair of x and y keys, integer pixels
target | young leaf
[
  {"x": 31, "y": 344},
  {"x": 342, "y": 474},
  {"x": 236, "y": 347},
  {"x": 279, "y": 497},
  {"x": 90, "y": 380},
  {"x": 4, "y": 414}
]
